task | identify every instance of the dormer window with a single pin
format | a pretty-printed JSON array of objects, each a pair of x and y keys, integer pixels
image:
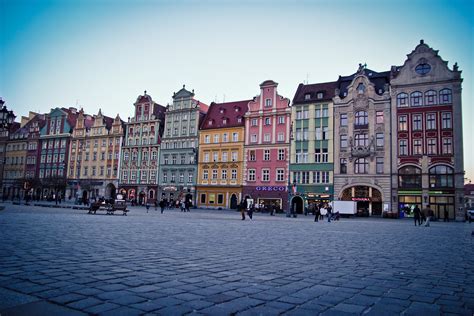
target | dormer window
[
  {"x": 239, "y": 120},
  {"x": 307, "y": 96},
  {"x": 224, "y": 121},
  {"x": 209, "y": 123},
  {"x": 319, "y": 95},
  {"x": 361, "y": 88},
  {"x": 221, "y": 111},
  {"x": 237, "y": 109}
]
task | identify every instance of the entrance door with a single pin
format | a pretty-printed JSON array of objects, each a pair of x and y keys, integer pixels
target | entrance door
[
  {"x": 141, "y": 198},
  {"x": 440, "y": 210},
  {"x": 297, "y": 204},
  {"x": 233, "y": 202}
]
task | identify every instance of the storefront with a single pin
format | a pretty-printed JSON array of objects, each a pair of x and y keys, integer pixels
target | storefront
[
  {"x": 267, "y": 196},
  {"x": 219, "y": 197},
  {"x": 369, "y": 199}
]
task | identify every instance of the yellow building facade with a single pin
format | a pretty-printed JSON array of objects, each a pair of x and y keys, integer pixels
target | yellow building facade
[
  {"x": 221, "y": 155},
  {"x": 94, "y": 158}
]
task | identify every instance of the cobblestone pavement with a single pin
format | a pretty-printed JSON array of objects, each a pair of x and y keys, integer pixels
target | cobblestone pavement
[{"x": 65, "y": 262}]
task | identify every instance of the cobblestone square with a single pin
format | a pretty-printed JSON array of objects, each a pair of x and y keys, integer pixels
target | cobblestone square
[{"x": 66, "y": 262}]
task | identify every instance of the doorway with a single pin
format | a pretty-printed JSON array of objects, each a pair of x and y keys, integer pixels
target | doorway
[
  {"x": 233, "y": 202},
  {"x": 297, "y": 205}
]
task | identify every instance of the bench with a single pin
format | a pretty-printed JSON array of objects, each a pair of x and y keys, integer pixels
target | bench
[{"x": 108, "y": 207}]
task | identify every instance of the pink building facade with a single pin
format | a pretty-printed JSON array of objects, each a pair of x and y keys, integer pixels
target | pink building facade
[{"x": 267, "y": 144}]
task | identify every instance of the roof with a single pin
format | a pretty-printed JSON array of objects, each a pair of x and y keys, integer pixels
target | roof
[
  {"x": 326, "y": 88},
  {"x": 203, "y": 108},
  {"x": 230, "y": 111},
  {"x": 379, "y": 79},
  {"x": 267, "y": 83}
]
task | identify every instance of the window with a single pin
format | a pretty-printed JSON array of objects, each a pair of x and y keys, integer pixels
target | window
[
  {"x": 417, "y": 147},
  {"x": 214, "y": 174},
  {"x": 430, "y": 121},
  {"x": 325, "y": 112},
  {"x": 416, "y": 98},
  {"x": 144, "y": 175},
  {"x": 317, "y": 155},
  {"x": 234, "y": 156},
  {"x": 253, "y": 122},
  {"x": 445, "y": 96},
  {"x": 86, "y": 171},
  {"x": 317, "y": 113},
  {"x": 325, "y": 133},
  {"x": 206, "y": 157},
  {"x": 251, "y": 174},
  {"x": 305, "y": 155},
  {"x": 235, "y": 137},
  {"x": 234, "y": 174},
  {"x": 441, "y": 177},
  {"x": 446, "y": 120},
  {"x": 319, "y": 95},
  {"x": 190, "y": 177},
  {"x": 402, "y": 147},
  {"x": 379, "y": 164},
  {"x": 268, "y": 102},
  {"x": 305, "y": 134},
  {"x": 174, "y": 158},
  {"x": 325, "y": 176},
  {"x": 319, "y": 133},
  {"x": 402, "y": 99},
  {"x": 379, "y": 139},
  {"x": 205, "y": 174},
  {"x": 280, "y": 175},
  {"x": 361, "y": 118},
  {"x": 265, "y": 175},
  {"x": 298, "y": 115},
  {"x": 298, "y": 134},
  {"x": 361, "y": 165},
  {"x": 343, "y": 140},
  {"x": 430, "y": 97},
  {"x": 225, "y": 137},
  {"x": 343, "y": 165},
  {"x": 417, "y": 125},
  {"x": 402, "y": 123},
  {"x": 281, "y": 154},
  {"x": 325, "y": 155},
  {"x": 343, "y": 119},
  {"x": 423, "y": 68},
  {"x": 266, "y": 137},
  {"x": 281, "y": 137},
  {"x": 252, "y": 155},
  {"x": 215, "y": 157},
  {"x": 447, "y": 146},
  {"x": 220, "y": 198},
  {"x": 431, "y": 146},
  {"x": 207, "y": 139},
  {"x": 224, "y": 156},
  {"x": 183, "y": 159},
  {"x": 266, "y": 154},
  {"x": 165, "y": 177},
  {"x": 305, "y": 177},
  {"x": 216, "y": 138},
  {"x": 409, "y": 177},
  {"x": 212, "y": 198},
  {"x": 298, "y": 156},
  {"x": 307, "y": 96},
  {"x": 154, "y": 155},
  {"x": 281, "y": 120},
  {"x": 361, "y": 140},
  {"x": 224, "y": 174},
  {"x": 361, "y": 88},
  {"x": 305, "y": 113},
  {"x": 267, "y": 121}
]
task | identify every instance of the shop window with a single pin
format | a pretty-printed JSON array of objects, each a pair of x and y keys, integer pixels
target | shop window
[
  {"x": 441, "y": 177},
  {"x": 203, "y": 198},
  {"x": 220, "y": 198},
  {"x": 409, "y": 177}
]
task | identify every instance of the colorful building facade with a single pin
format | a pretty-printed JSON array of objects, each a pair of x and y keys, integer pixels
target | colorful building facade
[
  {"x": 221, "y": 155},
  {"x": 94, "y": 157},
  {"x": 54, "y": 157},
  {"x": 427, "y": 130},
  {"x": 140, "y": 152},
  {"x": 267, "y": 141},
  {"x": 362, "y": 148},
  {"x": 312, "y": 155},
  {"x": 179, "y": 147},
  {"x": 15, "y": 164}
]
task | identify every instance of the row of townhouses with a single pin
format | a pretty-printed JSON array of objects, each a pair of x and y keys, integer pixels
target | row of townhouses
[{"x": 388, "y": 140}]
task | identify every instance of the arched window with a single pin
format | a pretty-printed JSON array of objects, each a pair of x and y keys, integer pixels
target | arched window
[
  {"x": 361, "y": 118},
  {"x": 361, "y": 166},
  {"x": 445, "y": 96},
  {"x": 409, "y": 177},
  {"x": 430, "y": 97},
  {"x": 151, "y": 194},
  {"x": 402, "y": 99},
  {"x": 416, "y": 98},
  {"x": 441, "y": 177},
  {"x": 361, "y": 88}
]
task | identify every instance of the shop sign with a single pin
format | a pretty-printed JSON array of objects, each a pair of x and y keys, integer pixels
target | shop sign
[
  {"x": 361, "y": 199},
  {"x": 271, "y": 188}
]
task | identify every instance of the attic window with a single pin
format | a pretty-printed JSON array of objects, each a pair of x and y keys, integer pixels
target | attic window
[
  {"x": 307, "y": 96},
  {"x": 360, "y": 88},
  {"x": 224, "y": 121},
  {"x": 222, "y": 111},
  {"x": 423, "y": 68},
  {"x": 319, "y": 95},
  {"x": 237, "y": 109},
  {"x": 209, "y": 122},
  {"x": 239, "y": 120}
]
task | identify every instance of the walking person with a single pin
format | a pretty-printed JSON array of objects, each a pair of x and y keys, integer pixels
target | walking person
[
  {"x": 417, "y": 215},
  {"x": 428, "y": 212},
  {"x": 272, "y": 211},
  {"x": 187, "y": 206},
  {"x": 250, "y": 211},
  {"x": 162, "y": 205},
  {"x": 446, "y": 215},
  {"x": 242, "y": 207},
  {"x": 328, "y": 210}
]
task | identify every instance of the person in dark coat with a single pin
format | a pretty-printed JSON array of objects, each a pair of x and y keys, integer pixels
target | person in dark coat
[
  {"x": 417, "y": 215},
  {"x": 250, "y": 211},
  {"x": 162, "y": 205},
  {"x": 243, "y": 208}
]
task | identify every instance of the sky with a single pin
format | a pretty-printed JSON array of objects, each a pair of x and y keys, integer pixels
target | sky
[{"x": 104, "y": 53}]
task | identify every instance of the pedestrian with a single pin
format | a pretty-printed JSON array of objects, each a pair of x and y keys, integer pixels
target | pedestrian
[
  {"x": 251, "y": 210},
  {"x": 428, "y": 212},
  {"x": 417, "y": 215},
  {"x": 187, "y": 205},
  {"x": 156, "y": 205},
  {"x": 162, "y": 205},
  {"x": 316, "y": 212},
  {"x": 242, "y": 207},
  {"x": 272, "y": 210},
  {"x": 328, "y": 210},
  {"x": 147, "y": 205},
  {"x": 446, "y": 215}
]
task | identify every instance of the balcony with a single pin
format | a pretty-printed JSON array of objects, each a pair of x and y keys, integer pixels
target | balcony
[{"x": 361, "y": 126}]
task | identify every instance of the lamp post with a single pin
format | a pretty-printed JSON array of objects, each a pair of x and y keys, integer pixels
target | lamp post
[{"x": 288, "y": 212}]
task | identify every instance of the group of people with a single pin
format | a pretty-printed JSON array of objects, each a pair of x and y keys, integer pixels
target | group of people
[
  {"x": 319, "y": 210},
  {"x": 183, "y": 204},
  {"x": 251, "y": 208},
  {"x": 423, "y": 216}
]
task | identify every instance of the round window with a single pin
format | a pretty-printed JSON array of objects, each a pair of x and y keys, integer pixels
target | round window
[{"x": 423, "y": 69}]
